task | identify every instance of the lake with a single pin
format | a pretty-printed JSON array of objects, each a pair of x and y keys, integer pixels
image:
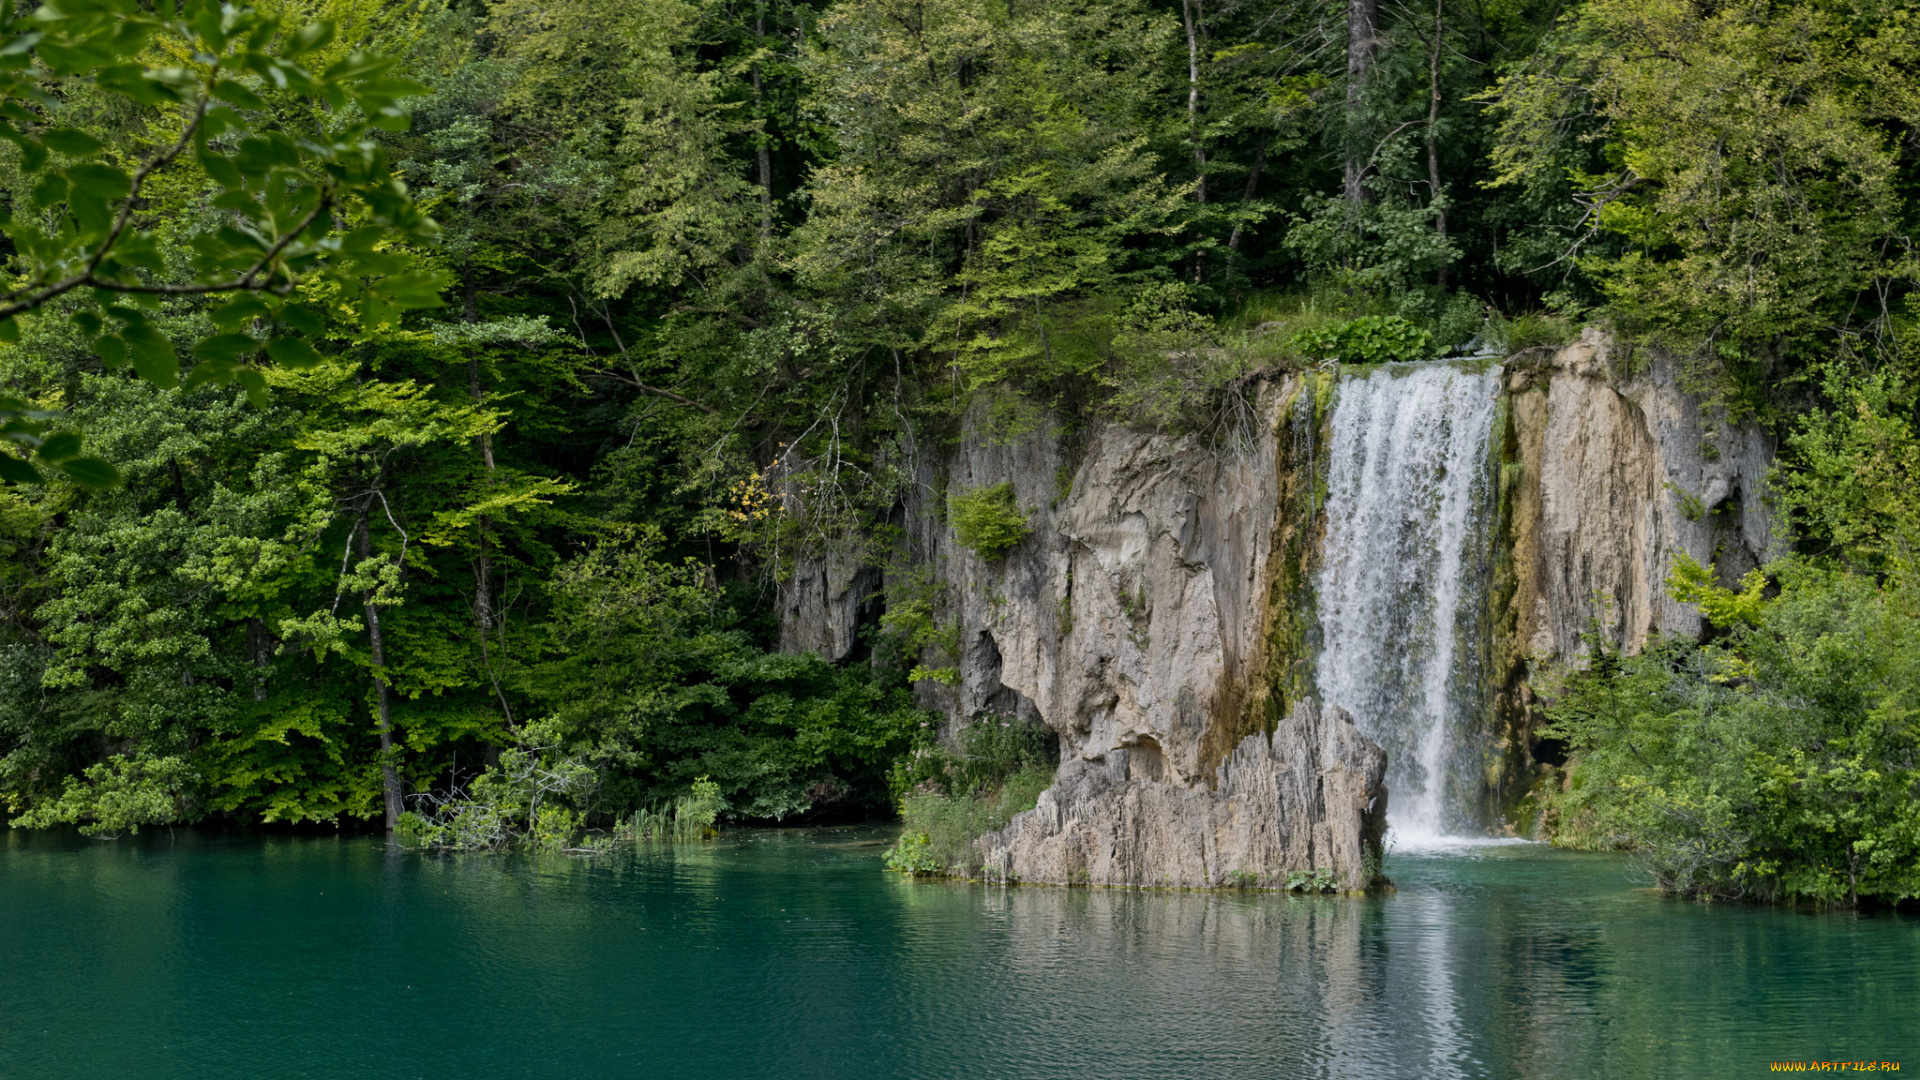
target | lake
[{"x": 789, "y": 953}]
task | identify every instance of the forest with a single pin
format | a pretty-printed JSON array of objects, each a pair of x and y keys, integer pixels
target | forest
[{"x": 413, "y": 406}]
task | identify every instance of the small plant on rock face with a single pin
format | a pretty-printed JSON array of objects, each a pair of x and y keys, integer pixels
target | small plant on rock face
[
  {"x": 1312, "y": 881},
  {"x": 987, "y": 520},
  {"x": 1244, "y": 879}
]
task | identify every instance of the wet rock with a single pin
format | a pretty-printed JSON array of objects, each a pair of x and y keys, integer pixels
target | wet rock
[
  {"x": 1625, "y": 470},
  {"x": 1309, "y": 797}
]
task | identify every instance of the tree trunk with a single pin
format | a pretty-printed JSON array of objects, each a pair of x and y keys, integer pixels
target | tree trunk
[
  {"x": 1433, "y": 126},
  {"x": 1362, "y": 25},
  {"x": 260, "y": 651},
  {"x": 382, "y": 694},
  {"x": 1253, "y": 185},
  {"x": 483, "y": 613},
  {"x": 1189, "y": 10},
  {"x": 762, "y": 153}
]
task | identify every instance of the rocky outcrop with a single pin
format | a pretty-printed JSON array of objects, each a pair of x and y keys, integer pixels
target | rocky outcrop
[
  {"x": 825, "y": 602},
  {"x": 1621, "y": 470},
  {"x": 1310, "y": 796},
  {"x": 1159, "y": 615},
  {"x": 1148, "y": 620}
]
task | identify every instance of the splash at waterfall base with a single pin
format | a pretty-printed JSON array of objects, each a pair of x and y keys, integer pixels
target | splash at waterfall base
[{"x": 1246, "y": 640}]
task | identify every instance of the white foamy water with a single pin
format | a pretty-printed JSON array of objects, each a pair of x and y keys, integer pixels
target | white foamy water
[{"x": 1403, "y": 582}]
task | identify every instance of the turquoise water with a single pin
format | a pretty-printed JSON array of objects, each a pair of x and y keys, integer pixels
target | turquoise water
[{"x": 790, "y": 954}]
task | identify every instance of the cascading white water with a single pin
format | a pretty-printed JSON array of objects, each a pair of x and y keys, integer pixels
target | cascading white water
[{"x": 1403, "y": 581}]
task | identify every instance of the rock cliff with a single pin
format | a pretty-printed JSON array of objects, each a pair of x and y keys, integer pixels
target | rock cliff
[
  {"x": 1150, "y": 620},
  {"x": 1159, "y": 616},
  {"x": 1307, "y": 797},
  {"x": 1621, "y": 470}
]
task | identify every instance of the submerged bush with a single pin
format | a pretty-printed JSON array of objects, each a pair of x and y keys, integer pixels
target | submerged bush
[
  {"x": 987, "y": 520},
  {"x": 691, "y": 817}
]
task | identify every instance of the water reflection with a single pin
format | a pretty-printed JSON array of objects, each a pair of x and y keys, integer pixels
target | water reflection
[{"x": 791, "y": 955}]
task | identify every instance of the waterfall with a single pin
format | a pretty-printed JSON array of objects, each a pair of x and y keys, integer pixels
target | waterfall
[{"x": 1403, "y": 579}]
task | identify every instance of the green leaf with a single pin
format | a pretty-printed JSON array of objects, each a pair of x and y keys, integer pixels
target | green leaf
[
  {"x": 415, "y": 289},
  {"x": 239, "y": 311},
  {"x": 254, "y": 156},
  {"x": 66, "y": 61},
  {"x": 220, "y": 167},
  {"x": 131, "y": 81},
  {"x": 362, "y": 240},
  {"x": 390, "y": 88},
  {"x": 15, "y": 471},
  {"x": 237, "y": 94},
  {"x": 292, "y": 352},
  {"x": 112, "y": 350},
  {"x": 60, "y": 447},
  {"x": 71, "y": 141},
  {"x": 101, "y": 180},
  {"x": 303, "y": 320},
  {"x": 21, "y": 43},
  {"x": 311, "y": 36},
  {"x": 49, "y": 190},
  {"x": 140, "y": 249},
  {"x": 225, "y": 347},
  {"x": 392, "y": 119},
  {"x": 33, "y": 156},
  {"x": 357, "y": 65},
  {"x": 94, "y": 213},
  {"x": 91, "y": 472},
  {"x": 255, "y": 384},
  {"x": 153, "y": 356},
  {"x": 9, "y": 330},
  {"x": 282, "y": 149}
]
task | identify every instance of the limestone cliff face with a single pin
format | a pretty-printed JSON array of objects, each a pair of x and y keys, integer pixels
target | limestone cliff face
[
  {"x": 1619, "y": 475},
  {"x": 1612, "y": 469},
  {"x": 1159, "y": 616},
  {"x": 1140, "y": 622},
  {"x": 1307, "y": 797},
  {"x": 823, "y": 603}
]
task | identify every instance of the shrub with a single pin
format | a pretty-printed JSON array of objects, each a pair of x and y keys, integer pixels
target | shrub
[
  {"x": 1533, "y": 330},
  {"x": 987, "y": 520},
  {"x": 950, "y": 800},
  {"x": 534, "y": 796},
  {"x": 1780, "y": 761},
  {"x": 992, "y": 749},
  {"x": 939, "y": 830},
  {"x": 119, "y": 795},
  {"x": 1313, "y": 881},
  {"x": 1370, "y": 339}
]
